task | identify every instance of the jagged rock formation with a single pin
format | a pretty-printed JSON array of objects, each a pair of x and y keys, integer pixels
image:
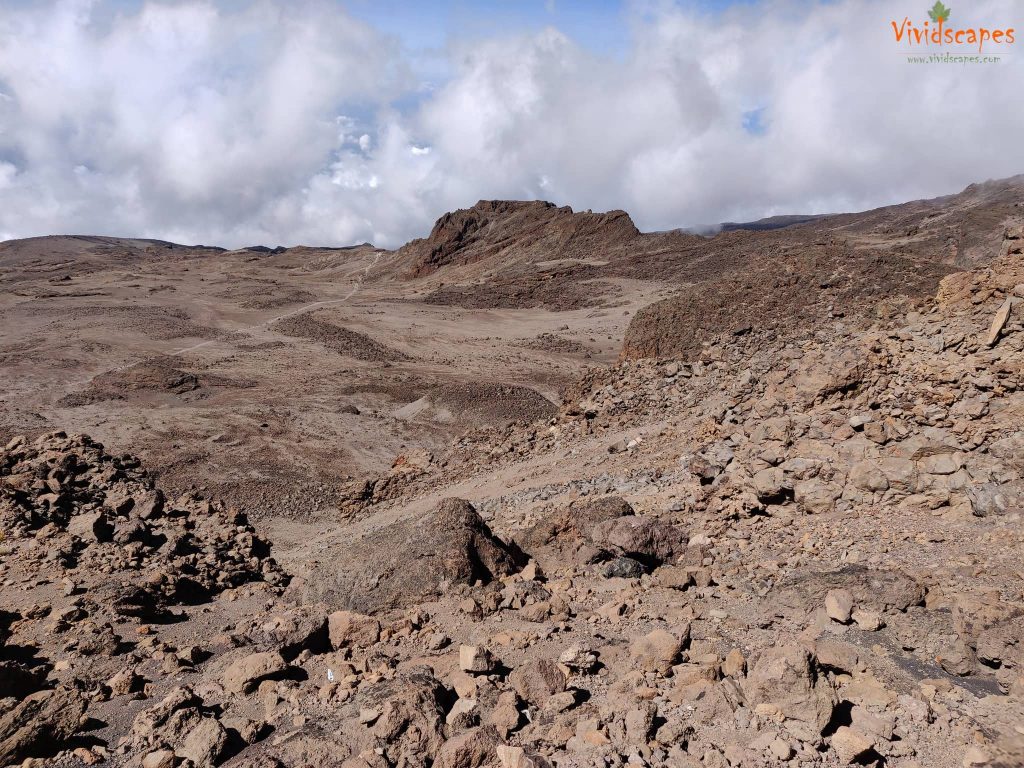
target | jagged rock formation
[{"x": 497, "y": 229}]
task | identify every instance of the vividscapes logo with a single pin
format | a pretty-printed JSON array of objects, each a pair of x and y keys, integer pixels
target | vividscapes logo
[{"x": 939, "y": 32}]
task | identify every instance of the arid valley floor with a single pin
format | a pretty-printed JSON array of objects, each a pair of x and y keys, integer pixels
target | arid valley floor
[{"x": 538, "y": 489}]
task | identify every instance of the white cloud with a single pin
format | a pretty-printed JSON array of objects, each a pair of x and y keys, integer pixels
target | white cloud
[
  {"x": 7, "y": 173},
  {"x": 276, "y": 125}
]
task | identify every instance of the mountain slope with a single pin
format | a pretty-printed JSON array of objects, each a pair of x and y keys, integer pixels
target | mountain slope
[{"x": 505, "y": 254}]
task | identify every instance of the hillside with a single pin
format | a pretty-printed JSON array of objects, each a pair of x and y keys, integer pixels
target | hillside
[{"x": 538, "y": 490}]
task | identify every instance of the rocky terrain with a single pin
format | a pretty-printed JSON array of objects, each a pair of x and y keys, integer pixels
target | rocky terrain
[{"x": 372, "y": 509}]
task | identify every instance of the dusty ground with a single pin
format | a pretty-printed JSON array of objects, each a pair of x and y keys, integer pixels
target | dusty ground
[{"x": 227, "y": 371}]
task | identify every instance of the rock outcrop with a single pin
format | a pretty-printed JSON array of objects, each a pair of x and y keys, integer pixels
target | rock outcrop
[{"x": 413, "y": 561}]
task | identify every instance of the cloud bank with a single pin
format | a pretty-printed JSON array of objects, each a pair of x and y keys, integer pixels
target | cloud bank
[{"x": 294, "y": 123}]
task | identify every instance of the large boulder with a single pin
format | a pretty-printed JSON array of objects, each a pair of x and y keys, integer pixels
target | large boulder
[
  {"x": 567, "y": 527},
  {"x": 537, "y": 681},
  {"x": 205, "y": 743},
  {"x": 412, "y": 708},
  {"x": 605, "y": 527},
  {"x": 412, "y": 561},
  {"x": 785, "y": 681},
  {"x": 641, "y": 538},
  {"x": 290, "y": 631},
  {"x": 40, "y": 724},
  {"x": 352, "y": 630},
  {"x": 658, "y": 650},
  {"x": 246, "y": 673},
  {"x": 472, "y": 749}
]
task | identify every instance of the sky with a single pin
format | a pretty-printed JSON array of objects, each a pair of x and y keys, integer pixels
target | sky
[{"x": 332, "y": 122}]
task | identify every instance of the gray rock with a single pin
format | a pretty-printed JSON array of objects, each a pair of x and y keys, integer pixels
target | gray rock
[
  {"x": 988, "y": 499},
  {"x": 623, "y": 568}
]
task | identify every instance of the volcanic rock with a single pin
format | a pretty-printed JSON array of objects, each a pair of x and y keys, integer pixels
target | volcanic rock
[{"x": 412, "y": 561}]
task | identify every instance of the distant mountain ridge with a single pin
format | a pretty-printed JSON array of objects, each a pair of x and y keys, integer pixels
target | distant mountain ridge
[{"x": 783, "y": 273}]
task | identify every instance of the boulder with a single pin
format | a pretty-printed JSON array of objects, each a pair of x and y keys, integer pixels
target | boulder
[
  {"x": 165, "y": 719},
  {"x": 769, "y": 484},
  {"x": 91, "y": 526},
  {"x": 784, "y": 680},
  {"x": 850, "y": 745},
  {"x": 805, "y": 589},
  {"x": 815, "y": 496},
  {"x": 472, "y": 749},
  {"x": 640, "y": 538},
  {"x": 623, "y": 568},
  {"x": 639, "y": 723},
  {"x": 205, "y": 743},
  {"x": 476, "y": 659},
  {"x": 348, "y": 629},
  {"x": 999, "y": 321},
  {"x": 735, "y": 664},
  {"x": 246, "y": 673},
  {"x": 565, "y": 528},
  {"x": 839, "y": 605},
  {"x": 40, "y": 724},
  {"x": 517, "y": 757},
  {"x": 411, "y": 723},
  {"x": 293, "y": 631},
  {"x": 578, "y": 659},
  {"x": 537, "y": 681},
  {"x": 159, "y": 758},
  {"x": 657, "y": 651},
  {"x": 868, "y": 476},
  {"x": 900, "y": 473},
  {"x": 412, "y": 561},
  {"x": 991, "y": 499}
]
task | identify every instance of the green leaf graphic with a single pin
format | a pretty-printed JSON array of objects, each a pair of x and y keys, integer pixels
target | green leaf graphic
[{"x": 939, "y": 12}]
